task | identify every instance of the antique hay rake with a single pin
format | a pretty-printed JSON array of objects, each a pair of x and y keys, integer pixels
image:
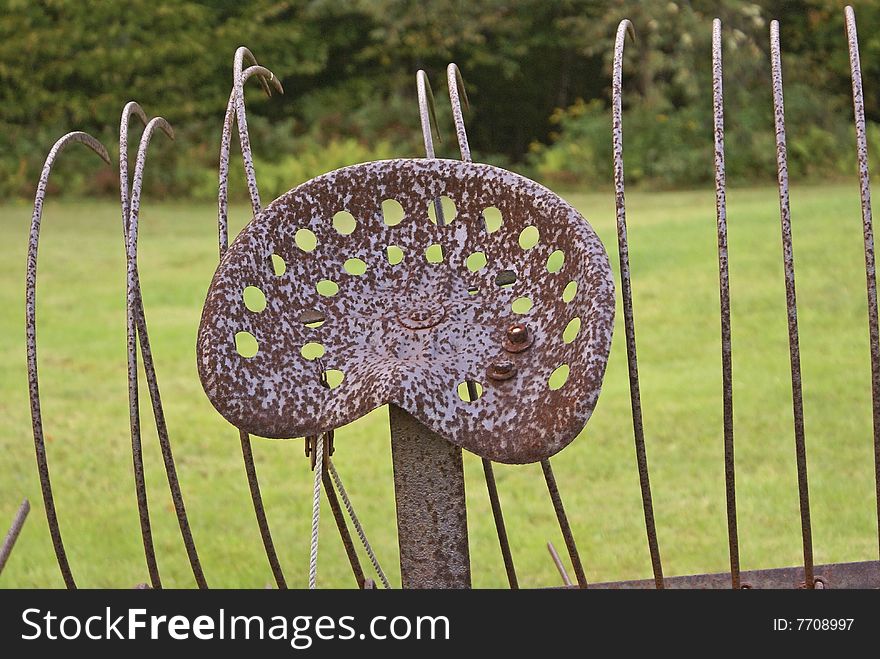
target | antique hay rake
[{"x": 474, "y": 302}]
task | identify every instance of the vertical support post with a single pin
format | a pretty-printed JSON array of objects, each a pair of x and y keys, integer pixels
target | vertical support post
[{"x": 431, "y": 511}]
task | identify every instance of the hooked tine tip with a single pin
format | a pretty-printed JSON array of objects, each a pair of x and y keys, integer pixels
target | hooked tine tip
[
  {"x": 276, "y": 83},
  {"x": 630, "y": 30},
  {"x": 165, "y": 126},
  {"x": 459, "y": 82},
  {"x": 429, "y": 97},
  {"x": 102, "y": 152},
  {"x": 134, "y": 108}
]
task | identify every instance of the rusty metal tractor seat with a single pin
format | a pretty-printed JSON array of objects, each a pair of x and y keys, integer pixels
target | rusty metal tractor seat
[{"x": 489, "y": 322}]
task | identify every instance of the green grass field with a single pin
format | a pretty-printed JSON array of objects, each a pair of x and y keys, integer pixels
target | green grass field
[{"x": 672, "y": 239}]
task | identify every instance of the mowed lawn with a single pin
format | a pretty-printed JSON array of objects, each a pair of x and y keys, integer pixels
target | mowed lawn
[{"x": 672, "y": 239}]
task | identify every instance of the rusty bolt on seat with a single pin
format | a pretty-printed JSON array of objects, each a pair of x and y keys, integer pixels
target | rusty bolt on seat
[
  {"x": 503, "y": 369},
  {"x": 518, "y": 338}
]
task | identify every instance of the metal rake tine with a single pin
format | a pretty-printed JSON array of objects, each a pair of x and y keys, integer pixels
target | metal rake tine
[
  {"x": 149, "y": 366},
  {"x": 427, "y": 113},
  {"x": 131, "y": 108},
  {"x": 724, "y": 295},
  {"x": 225, "y": 146},
  {"x": 868, "y": 233},
  {"x": 14, "y": 531},
  {"x": 241, "y": 117},
  {"x": 342, "y": 526},
  {"x": 31, "y": 340},
  {"x": 564, "y": 526},
  {"x": 457, "y": 93},
  {"x": 243, "y": 53},
  {"x": 223, "y": 240},
  {"x": 428, "y": 120},
  {"x": 624, "y": 28},
  {"x": 131, "y": 305},
  {"x": 791, "y": 304}
]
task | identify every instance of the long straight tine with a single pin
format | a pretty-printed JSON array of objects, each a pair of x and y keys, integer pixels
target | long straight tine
[
  {"x": 31, "y": 341},
  {"x": 149, "y": 367},
  {"x": 868, "y": 231},
  {"x": 260, "y": 511},
  {"x": 457, "y": 92},
  {"x": 791, "y": 302},
  {"x": 14, "y": 531},
  {"x": 564, "y": 526},
  {"x": 341, "y": 524},
  {"x": 724, "y": 294},
  {"x": 500, "y": 528},
  {"x": 626, "y": 292},
  {"x": 232, "y": 114}
]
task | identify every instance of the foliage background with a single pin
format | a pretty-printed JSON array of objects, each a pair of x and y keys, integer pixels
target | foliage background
[{"x": 537, "y": 74}]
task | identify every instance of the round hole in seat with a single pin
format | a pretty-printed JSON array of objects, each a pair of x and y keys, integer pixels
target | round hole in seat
[
  {"x": 392, "y": 212},
  {"x": 521, "y": 305},
  {"x": 355, "y": 266},
  {"x": 327, "y": 287},
  {"x": 466, "y": 395},
  {"x": 447, "y": 208},
  {"x": 571, "y": 330},
  {"x": 558, "y": 377},
  {"x": 246, "y": 344},
  {"x": 333, "y": 377},
  {"x": 254, "y": 299},
  {"x": 344, "y": 223},
  {"x": 529, "y": 237},
  {"x": 492, "y": 219},
  {"x": 312, "y": 350},
  {"x": 555, "y": 261},
  {"x": 305, "y": 239}
]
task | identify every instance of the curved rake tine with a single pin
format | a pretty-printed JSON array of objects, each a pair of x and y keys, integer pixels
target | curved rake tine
[
  {"x": 31, "y": 330},
  {"x": 427, "y": 115},
  {"x": 564, "y": 526},
  {"x": 457, "y": 93},
  {"x": 428, "y": 120},
  {"x": 241, "y": 116},
  {"x": 868, "y": 231},
  {"x": 14, "y": 531},
  {"x": 623, "y": 29},
  {"x": 724, "y": 294},
  {"x": 149, "y": 366},
  {"x": 243, "y": 53},
  {"x": 223, "y": 238},
  {"x": 131, "y": 306},
  {"x": 225, "y": 146},
  {"x": 797, "y": 399}
]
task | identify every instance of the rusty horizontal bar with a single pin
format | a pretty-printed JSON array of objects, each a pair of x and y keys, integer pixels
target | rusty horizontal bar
[{"x": 865, "y": 574}]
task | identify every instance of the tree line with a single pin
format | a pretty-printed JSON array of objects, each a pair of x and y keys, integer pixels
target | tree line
[{"x": 537, "y": 75}]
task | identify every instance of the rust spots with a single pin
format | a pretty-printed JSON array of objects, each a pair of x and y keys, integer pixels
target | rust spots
[{"x": 427, "y": 307}]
